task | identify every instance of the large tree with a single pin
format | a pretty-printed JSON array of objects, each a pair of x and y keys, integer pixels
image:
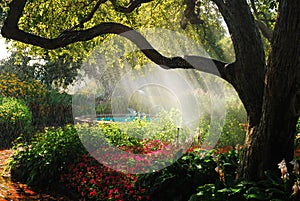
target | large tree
[{"x": 269, "y": 90}]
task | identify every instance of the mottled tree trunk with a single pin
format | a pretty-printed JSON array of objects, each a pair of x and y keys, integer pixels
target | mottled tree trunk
[{"x": 272, "y": 139}]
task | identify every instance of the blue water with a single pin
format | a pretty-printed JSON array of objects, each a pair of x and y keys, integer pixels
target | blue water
[{"x": 119, "y": 119}]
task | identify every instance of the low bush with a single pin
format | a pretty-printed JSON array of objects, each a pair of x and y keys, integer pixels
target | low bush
[
  {"x": 108, "y": 143},
  {"x": 181, "y": 179},
  {"x": 94, "y": 181},
  {"x": 233, "y": 133},
  {"x": 54, "y": 110},
  {"x": 273, "y": 187},
  {"x": 15, "y": 119},
  {"x": 48, "y": 107},
  {"x": 103, "y": 107},
  {"x": 46, "y": 157},
  {"x": 134, "y": 133}
]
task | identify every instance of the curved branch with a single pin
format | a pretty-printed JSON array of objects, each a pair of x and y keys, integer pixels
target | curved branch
[
  {"x": 208, "y": 65},
  {"x": 90, "y": 15},
  {"x": 130, "y": 7},
  {"x": 191, "y": 13},
  {"x": 10, "y": 30}
]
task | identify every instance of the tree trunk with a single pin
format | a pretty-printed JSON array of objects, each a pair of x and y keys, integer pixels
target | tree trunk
[
  {"x": 246, "y": 74},
  {"x": 272, "y": 140}
]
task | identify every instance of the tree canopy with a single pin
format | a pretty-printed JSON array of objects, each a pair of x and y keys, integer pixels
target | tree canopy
[{"x": 55, "y": 20}]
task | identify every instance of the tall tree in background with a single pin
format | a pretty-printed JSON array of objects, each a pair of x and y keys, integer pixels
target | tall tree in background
[
  {"x": 270, "y": 91},
  {"x": 53, "y": 74}
]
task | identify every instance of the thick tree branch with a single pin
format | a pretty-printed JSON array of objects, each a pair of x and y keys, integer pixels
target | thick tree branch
[
  {"x": 10, "y": 30},
  {"x": 220, "y": 4},
  {"x": 90, "y": 15},
  {"x": 208, "y": 65},
  {"x": 133, "y": 4},
  {"x": 191, "y": 13}
]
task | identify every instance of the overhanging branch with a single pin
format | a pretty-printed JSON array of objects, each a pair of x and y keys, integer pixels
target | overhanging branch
[
  {"x": 133, "y": 4},
  {"x": 90, "y": 15},
  {"x": 11, "y": 30},
  {"x": 128, "y": 9}
]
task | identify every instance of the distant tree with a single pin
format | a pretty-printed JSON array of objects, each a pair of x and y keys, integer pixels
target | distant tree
[
  {"x": 53, "y": 74},
  {"x": 270, "y": 91}
]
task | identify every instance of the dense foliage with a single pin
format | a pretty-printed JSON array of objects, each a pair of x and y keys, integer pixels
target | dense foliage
[
  {"x": 39, "y": 16},
  {"x": 48, "y": 107},
  {"x": 58, "y": 155},
  {"x": 181, "y": 179},
  {"x": 234, "y": 131},
  {"x": 52, "y": 74},
  {"x": 94, "y": 181},
  {"x": 15, "y": 119},
  {"x": 271, "y": 188},
  {"x": 41, "y": 161},
  {"x": 30, "y": 90},
  {"x": 54, "y": 110}
]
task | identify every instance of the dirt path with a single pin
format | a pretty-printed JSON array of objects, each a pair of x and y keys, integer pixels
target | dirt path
[{"x": 13, "y": 191}]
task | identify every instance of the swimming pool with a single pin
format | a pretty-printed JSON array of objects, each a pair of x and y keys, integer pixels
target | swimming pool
[{"x": 120, "y": 119}]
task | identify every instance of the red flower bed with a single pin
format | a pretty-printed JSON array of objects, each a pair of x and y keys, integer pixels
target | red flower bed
[{"x": 94, "y": 181}]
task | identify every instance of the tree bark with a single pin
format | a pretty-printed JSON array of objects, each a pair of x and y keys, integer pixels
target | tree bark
[
  {"x": 273, "y": 138},
  {"x": 247, "y": 73}
]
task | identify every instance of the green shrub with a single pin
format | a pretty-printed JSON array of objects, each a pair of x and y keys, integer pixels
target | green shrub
[
  {"x": 48, "y": 154},
  {"x": 54, "y": 110},
  {"x": 133, "y": 133},
  {"x": 103, "y": 108},
  {"x": 96, "y": 135},
  {"x": 15, "y": 119},
  {"x": 228, "y": 188},
  {"x": 272, "y": 188},
  {"x": 181, "y": 179},
  {"x": 233, "y": 133},
  {"x": 48, "y": 107}
]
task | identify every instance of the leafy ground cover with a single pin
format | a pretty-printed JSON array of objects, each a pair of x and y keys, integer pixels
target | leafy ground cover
[
  {"x": 192, "y": 177},
  {"x": 54, "y": 156},
  {"x": 57, "y": 155}
]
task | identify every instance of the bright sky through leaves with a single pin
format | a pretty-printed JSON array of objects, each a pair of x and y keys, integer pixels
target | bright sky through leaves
[{"x": 3, "y": 50}]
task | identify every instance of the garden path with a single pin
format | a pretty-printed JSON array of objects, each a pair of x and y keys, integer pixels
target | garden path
[{"x": 14, "y": 191}]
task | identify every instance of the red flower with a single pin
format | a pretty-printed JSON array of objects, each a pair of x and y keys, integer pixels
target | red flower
[
  {"x": 93, "y": 193},
  {"x": 110, "y": 192}
]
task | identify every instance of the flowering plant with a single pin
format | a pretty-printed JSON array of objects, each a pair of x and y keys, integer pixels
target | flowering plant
[
  {"x": 29, "y": 90},
  {"x": 94, "y": 181}
]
